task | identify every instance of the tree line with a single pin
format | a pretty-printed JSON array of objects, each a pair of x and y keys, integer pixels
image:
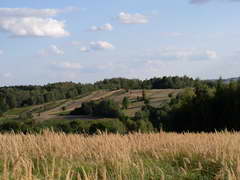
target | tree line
[
  {"x": 204, "y": 108},
  {"x": 200, "y": 109},
  {"x": 21, "y": 96}
]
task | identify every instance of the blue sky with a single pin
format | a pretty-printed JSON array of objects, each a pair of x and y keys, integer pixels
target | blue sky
[{"x": 84, "y": 41}]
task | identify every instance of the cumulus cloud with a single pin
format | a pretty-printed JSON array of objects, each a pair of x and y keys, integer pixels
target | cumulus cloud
[
  {"x": 56, "y": 50},
  {"x": 67, "y": 65},
  {"x": 182, "y": 54},
  {"x": 32, "y": 26},
  {"x": 206, "y": 1},
  {"x": 101, "y": 45},
  {"x": 32, "y": 22},
  {"x": 52, "y": 50},
  {"x": 28, "y": 12},
  {"x": 96, "y": 46},
  {"x": 105, "y": 27},
  {"x": 127, "y": 18}
]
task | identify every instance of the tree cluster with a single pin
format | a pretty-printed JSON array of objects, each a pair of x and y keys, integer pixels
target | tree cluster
[
  {"x": 104, "y": 108},
  {"x": 20, "y": 96},
  {"x": 198, "y": 109},
  {"x": 174, "y": 82},
  {"x": 201, "y": 109}
]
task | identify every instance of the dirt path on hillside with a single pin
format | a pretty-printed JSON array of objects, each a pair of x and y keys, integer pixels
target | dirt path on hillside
[
  {"x": 73, "y": 104},
  {"x": 156, "y": 98}
]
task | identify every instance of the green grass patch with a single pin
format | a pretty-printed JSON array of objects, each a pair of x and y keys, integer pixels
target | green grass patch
[
  {"x": 49, "y": 106},
  {"x": 82, "y": 96},
  {"x": 8, "y": 119},
  {"x": 64, "y": 113},
  {"x": 17, "y": 111}
]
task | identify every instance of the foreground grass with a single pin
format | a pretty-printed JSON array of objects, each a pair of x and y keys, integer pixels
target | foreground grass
[{"x": 167, "y": 156}]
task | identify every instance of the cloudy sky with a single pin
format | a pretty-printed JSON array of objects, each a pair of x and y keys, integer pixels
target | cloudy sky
[{"x": 84, "y": 41}]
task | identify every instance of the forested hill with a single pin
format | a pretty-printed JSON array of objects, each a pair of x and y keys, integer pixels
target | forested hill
[
  {"x": 231, "y": 79},
  {"x": 20, "y": 96}
]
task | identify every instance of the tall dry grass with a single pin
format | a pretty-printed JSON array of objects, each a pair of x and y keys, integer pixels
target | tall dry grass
[{"x": 135, "y": 156}]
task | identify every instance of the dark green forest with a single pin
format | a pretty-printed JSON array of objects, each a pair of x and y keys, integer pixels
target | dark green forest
[
  {"x": 20, "y": 96},
  {"x": 202, "y": 106}
]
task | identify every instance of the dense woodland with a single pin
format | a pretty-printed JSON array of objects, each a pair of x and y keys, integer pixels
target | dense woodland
[
  {"x": 20, "y": 96},
  {"x": 201, "y": 106},
  {"x": 205, "y": 109}
]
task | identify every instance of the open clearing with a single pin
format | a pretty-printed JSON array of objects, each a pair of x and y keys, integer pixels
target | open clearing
[
  {"x": 54, "y": 110},
  {"x": 163, "y": 156}
]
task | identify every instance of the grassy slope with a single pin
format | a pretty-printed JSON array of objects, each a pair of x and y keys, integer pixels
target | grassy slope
[
  {"x": 53, "y": 110},
  {"x": 156, "y": 98}
]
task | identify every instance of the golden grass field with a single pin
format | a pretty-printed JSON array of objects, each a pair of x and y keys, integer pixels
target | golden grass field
[{"x": 163, "y": 156}]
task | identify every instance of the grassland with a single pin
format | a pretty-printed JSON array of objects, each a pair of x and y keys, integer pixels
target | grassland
[
  {"x": 17, "y": 111},
  {"x": 163, "y": 156},
  {"x": 156, "y": 98},
  {"x": 54, "y": 110}
]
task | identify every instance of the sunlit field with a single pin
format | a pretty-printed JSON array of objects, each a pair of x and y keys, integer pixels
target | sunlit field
[{"x": 166, "y": 156}]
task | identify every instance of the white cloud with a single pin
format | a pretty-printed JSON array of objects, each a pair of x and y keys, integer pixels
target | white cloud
[
  {"x": 127, "y": 18},
  {"x": 105, "y": 27},
  {"x": 101, "y": 45},
  {"x": 95, "y": 46},
  {"x": 56, "y": 50},
  {"x": 32, "y": 26},
  {"x": 32, "y": 22},
  {"x": 67, "y": 65},
  {"x": 52, "y": 50},
  {"x": 28, "y": 12},
  {"x": 1, "y": 52}
]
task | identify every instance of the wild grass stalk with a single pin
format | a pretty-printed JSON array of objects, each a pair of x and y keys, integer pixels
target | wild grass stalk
[{"x": 166, "y": 156}]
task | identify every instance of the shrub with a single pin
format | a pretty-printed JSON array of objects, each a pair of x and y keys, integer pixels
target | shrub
[
  {"x": 105, "y": 108},
  {"x": 110, "y": 126},
  {"x": 10, "y": 126}
]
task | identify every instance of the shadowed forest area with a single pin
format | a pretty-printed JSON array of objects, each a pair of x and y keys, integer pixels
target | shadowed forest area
[{"x": 125, "y": 105}]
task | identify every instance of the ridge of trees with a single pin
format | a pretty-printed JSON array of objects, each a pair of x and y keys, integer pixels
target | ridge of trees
[
  {"x": 21, "y": 96},
  {"x": 104, "y": 108},
  {"x": 200, "y": 109}
]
